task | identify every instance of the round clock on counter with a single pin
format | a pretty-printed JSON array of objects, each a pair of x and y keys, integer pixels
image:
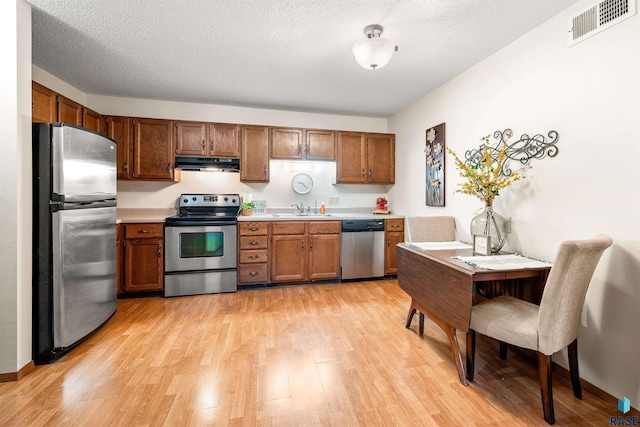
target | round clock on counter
[{"x": 302, "y": 183}]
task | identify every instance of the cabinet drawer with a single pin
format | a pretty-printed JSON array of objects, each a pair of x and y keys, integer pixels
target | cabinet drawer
[
  {"x": 291, "y": 227},
  {"x": 253, "y": 273},
  {"x": 254, "y": 242},
  {"x": 253, "y": 228},
  {"x": 394, "y": 224},
  {"x": 143, "y": 231},
  {"x": 253, "y": 256},
  {"x": 324, "y": 227}
]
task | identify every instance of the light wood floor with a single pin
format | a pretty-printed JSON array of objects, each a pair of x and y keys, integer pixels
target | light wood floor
[{"x": 330, "y": 355}]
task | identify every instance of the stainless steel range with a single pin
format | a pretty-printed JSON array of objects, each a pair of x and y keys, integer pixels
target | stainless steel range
[{"x": 200, "y": 245}]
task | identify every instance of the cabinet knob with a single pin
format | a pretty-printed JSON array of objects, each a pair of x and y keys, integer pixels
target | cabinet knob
[
  {"x": 160, "y": 251},
  {"x": 363, "y": 172},
  {"x": 253, "y": 243},
  {"x": 254, "y": 228},
  {"x": 253, "y": 273},
  {"x": 144, "y": 231},
  {"x": 253, "y": 256}
]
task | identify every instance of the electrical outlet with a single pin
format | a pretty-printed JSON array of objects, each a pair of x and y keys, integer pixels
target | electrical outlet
[{"x": 334, "y": 200}]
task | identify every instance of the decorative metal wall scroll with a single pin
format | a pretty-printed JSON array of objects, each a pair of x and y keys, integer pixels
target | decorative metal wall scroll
[
  {"x": 523, "y": 150},
  {"x": 435, "y": 155}
]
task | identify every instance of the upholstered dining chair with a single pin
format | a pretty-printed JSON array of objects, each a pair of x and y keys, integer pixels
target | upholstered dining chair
[
  {"x": 431, "y": 228},
  {"x": 428, "y": 229},
  {"x": 547, "y": 328}
]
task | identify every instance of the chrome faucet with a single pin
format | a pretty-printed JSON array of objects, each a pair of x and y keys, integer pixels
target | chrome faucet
[{"x": 300, "y": 208}]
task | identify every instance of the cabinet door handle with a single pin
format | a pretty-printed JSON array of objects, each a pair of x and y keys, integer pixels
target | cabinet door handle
[
  {"x": 253, "y": 256},
  {"x": 125, "y": 166},
  {"x": 265, "y": 169},
  {"x": 168, "y": 168},
  {"x": 369, "y": 173},
  {"x": 310, "y": 245},
  {"x": 144, "y": 231},
  {"x": 160, "y": 251},
  {"x": 203, "y": 143},
  {"x": 302, "y": 246},
  {"x": 253, "y": 273},
  {"x": 253, "y": 242},
  {"x": 388, "y": 242},
  {"x": 254, "y": 228},
  {"x": 363, "y": 172}
]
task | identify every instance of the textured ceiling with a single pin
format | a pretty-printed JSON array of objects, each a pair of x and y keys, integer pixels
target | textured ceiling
[{"x": 281, "y": 54}]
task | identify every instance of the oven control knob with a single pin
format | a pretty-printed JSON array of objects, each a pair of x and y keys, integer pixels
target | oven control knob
[
  {"x": 226, "y": 199},
  {"x": 193, "y": 198},
  {"x": 186, "y": 200}
]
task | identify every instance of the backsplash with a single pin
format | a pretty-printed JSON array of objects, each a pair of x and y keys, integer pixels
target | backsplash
[{"x": 278, "y": 192}]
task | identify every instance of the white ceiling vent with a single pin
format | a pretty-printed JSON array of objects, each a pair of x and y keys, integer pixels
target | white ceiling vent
[{"x": 599, "y": 17}]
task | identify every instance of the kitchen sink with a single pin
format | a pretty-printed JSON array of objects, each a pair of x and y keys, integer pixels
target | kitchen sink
[{"x": 281, "y": 215}]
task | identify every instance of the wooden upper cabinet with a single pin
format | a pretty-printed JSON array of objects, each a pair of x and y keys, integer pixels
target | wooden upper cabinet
[
  {"x": 196, "y": 139},
  {"x": 320, "y": 144},
  {"x": 153, "y": 156},
  {"x": 352, "y": 158},
  {"x": 254, "y": 154},
  {"x": 224, "y": 140},
  {"x": 287, "y": 144},
  {"x": 365, "y": 158},
  {"x": 298, "y": 144},
  {"x": 43, "y": 104},
  {"x": 120, "y": 129},
  {"x": 381, "y": 151},
  {"x": 69, "y": 111},
  {"x": 93, "y": 120},
  {"x": 191, "y": 139}
]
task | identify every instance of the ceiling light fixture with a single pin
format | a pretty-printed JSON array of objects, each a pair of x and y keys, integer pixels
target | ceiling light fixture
[{"x": 374, "y": 52}]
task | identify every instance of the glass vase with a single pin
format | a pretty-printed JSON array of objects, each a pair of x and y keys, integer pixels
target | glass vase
[{"x": 487, "y": 222}]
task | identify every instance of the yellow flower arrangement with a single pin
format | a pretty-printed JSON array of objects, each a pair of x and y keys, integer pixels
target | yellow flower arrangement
[{"x": 485, "y": 179}]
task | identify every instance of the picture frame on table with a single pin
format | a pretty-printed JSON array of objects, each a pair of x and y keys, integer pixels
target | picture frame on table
[{"x": 481, "y": 244}]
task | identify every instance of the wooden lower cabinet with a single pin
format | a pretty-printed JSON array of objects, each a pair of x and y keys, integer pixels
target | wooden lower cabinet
[
  {"x": 393, "y": 234},
  {"x": 253, "y": 252},
  {"x": 143, "y": 257},
  {"x": 119, "y": 257},
  {"x": 303, "y": 251}
]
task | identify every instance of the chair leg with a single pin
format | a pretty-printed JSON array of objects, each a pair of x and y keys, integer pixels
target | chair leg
[
  {"x": 503, "y": 350},
  {"x": 471, "y": 353},
  {"x": 421, "y": 323},
  {"x": 573, "y": 369},
  {"x": 546, "y": 392}
]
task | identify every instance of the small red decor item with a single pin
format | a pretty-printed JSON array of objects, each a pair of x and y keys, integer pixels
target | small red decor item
[{"x": 382, "y": 203}]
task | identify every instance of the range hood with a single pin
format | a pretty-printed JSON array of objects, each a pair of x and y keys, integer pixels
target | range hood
[{"x": 208, "y": 164}]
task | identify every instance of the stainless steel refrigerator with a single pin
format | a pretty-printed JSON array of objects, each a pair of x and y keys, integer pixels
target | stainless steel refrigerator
[{"x": 74, "y": 236}]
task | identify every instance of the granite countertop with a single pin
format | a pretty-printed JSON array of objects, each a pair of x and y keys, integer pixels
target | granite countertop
[
  {"x": 332, "y": 215},
  {"x": 129, "y": 215},
  {"x": 136, "y": 215}
]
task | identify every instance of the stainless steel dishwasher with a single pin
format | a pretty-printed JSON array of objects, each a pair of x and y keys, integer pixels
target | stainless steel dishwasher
[{"x": 362, "y": 248}]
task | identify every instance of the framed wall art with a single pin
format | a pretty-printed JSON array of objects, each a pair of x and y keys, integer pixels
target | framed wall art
[{"x": 435, "y": 163}]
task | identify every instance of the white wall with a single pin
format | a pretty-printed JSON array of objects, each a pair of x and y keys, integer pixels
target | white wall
[
  {"x": 590, "y": 94},
  {"x": 15, "y": 186}
]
